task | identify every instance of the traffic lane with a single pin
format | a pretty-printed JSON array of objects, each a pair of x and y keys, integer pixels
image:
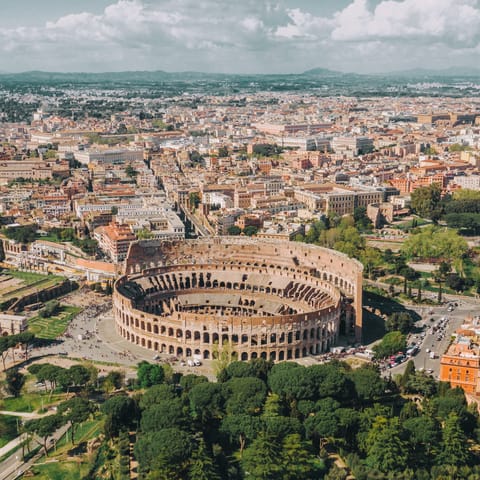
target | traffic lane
[{"x": 455, "y": 319}]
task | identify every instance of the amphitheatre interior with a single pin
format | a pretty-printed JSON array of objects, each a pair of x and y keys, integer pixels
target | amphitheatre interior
[{"x": 263, "y": 298}]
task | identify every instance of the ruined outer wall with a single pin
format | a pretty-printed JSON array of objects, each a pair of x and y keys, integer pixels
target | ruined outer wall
[
  {"x": 277, "y": 337},
  {"x": 335, "y": 267}
]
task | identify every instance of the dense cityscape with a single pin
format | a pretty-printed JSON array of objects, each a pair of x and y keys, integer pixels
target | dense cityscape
[{"x": 240, "y": 276}]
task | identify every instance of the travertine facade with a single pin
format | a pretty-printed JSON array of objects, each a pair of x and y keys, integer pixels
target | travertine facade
[{"x": 266, "y": 298}]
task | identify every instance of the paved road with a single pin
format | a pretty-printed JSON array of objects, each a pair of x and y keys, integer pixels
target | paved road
[
  {"x": 14, "y": 466},
  {"x": 91, "y": 336},
  {"x": 11, "y": 445},
  {"x": 454, "y": 319}
]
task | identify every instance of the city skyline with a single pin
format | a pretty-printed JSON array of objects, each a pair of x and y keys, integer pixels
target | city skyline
[{"x": 240, "y": 37}]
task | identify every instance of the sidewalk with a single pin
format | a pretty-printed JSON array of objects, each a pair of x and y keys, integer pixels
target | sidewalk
[
  {"x": 11, "y": 445},
  {"x": 26, "y": 415},
  {"x": 14, "y": 467}
]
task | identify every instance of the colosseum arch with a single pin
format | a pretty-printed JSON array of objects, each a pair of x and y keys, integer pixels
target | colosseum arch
[{"x": 219, "y": 298}]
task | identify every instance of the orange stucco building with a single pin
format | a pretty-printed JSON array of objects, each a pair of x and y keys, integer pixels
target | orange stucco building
[{"x": 460, "y": 365}]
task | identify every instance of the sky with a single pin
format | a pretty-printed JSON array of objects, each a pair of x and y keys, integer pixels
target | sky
[{"x": 238, "y": 36}]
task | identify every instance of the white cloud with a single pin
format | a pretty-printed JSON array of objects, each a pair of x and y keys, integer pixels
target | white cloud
[
  {"x": 453, "y": 22},
  {"x": 304, "y": 25},
  {"x": 247, "y": 35}
]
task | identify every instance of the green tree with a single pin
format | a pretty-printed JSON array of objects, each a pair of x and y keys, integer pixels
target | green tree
[
  {"x": 122, "y": 414},
  {"x": 130, "y": 171},
  {"x": 250, "y": 231},
  {"x": 76, "y": 411},
  {"x": 400, "y": 321},
  {"x": 421, "y": 383},
  {"x": 234, "y": 230},
  {"x": 244, "y": 395},
  {"x": 292, "y": 382},
  {"x": 260, "y": 461},
  {"x": 50, "y": 309},
  {"x": 336, "y": 473},
  {"x": 80, "y": 375},
  {"x": 455, "y": 450},
  {"x": 448, "y": 245},
  {"x": 423, "y": 434},
  {"x": 155, "y": 394},
  {"x": 149, "y": 374},
  {"x": 241, "y": 428},
  {"x": 223, "y": 152},
  {"x": 164, "y": 454},
  {"x": 324, "y": 423},
  {"x": 297, "y": 460},
  {"x": 14, "y": 381},
  {"x": 113, "y": 381},
  {"x": 45, "y": 427},
  {"x": 391, "y": 343},
  {"x": 202, "y": 466},
  {"x": 425, "y": 200},
  {"x": 164, "y": 414},
  {"x": 386, "y": 451},
  {"x": 206, "y": 402},
  {"x": 407, "y": 374},
  {"x": 362, "y": 222},
  {"x": 369, "y": 385},
  {"x": 194, "y": 200}
]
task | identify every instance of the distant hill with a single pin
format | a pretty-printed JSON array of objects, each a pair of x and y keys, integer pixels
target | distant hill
[
  {"x": 325, "y": 72},
  {"x": 159, "y": 76},
  {"x": 105, "y": 77},
  {"x": 446, "y": 72}
]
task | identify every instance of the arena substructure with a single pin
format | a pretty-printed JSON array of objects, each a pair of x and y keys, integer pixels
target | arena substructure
[{"x": 263, "y": 298}]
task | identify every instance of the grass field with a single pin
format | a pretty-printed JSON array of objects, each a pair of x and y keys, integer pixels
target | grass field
[
  {"x": 8, "y": 429},
  {"x": 58, "y": 467},
  {"x": 30, "y": 402},
  {"x": 52, "y": 327},
  {"x": 61, "y": 471},
  {"x": 25, "y": 282},
  {"x": 83, "y": 433}
]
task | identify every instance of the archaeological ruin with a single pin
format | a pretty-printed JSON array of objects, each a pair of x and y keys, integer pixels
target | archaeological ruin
[{"x": 262, "y": 298}]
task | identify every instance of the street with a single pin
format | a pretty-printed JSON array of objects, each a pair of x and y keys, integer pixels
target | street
[{"x": 430, "y": 341}]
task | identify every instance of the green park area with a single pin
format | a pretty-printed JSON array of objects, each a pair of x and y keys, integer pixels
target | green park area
[
  {"x": 52, "y": 326},
  {"x": 59, "y": 465},
  {"x": 15, "y": 284}
]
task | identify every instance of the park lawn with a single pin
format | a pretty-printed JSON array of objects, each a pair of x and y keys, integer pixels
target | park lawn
[
  {"x": 52, "y": 327},
  {"x": 30, "y": 402},
  {"x": 59, "y": 465},
  {"x": 61, "y": 470},
  {"x": 83, "y": 433},
  {"x": 30, "y": 282},
  {"x": 30, "y": 277},
  {"x": 8, "y": 429}
]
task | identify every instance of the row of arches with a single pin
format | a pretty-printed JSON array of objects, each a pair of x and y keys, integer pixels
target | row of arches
[
  {"x": 279, "y": 336},
  {"x": 244, "y": 355}
]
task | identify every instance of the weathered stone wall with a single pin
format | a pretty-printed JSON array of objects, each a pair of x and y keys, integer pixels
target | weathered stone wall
[{"x": 311, "y": 288}]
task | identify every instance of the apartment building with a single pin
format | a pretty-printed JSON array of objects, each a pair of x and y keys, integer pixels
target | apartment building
[
  {"x": 353, "y": 145},
  {"x": 460, "y": 365},
  {"x": 31, "y": 169},
  {"x": 114, "y": 240},
  {"x": 470, "y": 182},
  {"x": 109, "y": 156}
]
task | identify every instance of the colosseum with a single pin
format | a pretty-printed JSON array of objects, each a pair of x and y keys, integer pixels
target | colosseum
[{"x": 263, "y": 298}]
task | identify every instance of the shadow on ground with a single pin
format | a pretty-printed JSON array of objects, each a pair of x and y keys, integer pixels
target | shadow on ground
[{"x": 375, "y": 309}]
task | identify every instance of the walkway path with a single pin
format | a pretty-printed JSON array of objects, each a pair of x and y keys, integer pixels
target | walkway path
[
  {"x": 26, "y": 415},
  {"x": 13, "y": 467},
  {"x": 11, "y": 445}
]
